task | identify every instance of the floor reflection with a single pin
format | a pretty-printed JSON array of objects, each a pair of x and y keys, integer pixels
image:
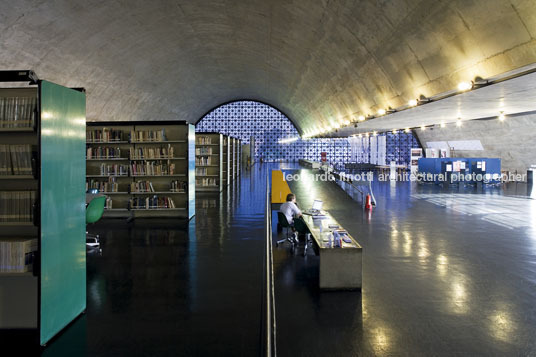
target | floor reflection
[{"x": 444, "y": 273}]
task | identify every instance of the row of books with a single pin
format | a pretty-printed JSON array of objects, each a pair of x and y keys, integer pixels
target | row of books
[
  {"x": 203, "y": 140},
  {"x": 113, "y": 169},
  {"x": 201, "y": 171},
  {"x": 108, "y": 203},
  {"x": 103, "y": 186},
  {"x": 178, "y": 186},
  {"x": 203, "y": 161},
  {"x": 104, "y": 135},
  {"x": 103, "y": 152},
  {"x": 206, "y": 182},
  {"x": 153, "y": 202},
  {"x": 17, "y": 112},
  {"x": 161, "y": 152},
  {"x": 147, "y": 135},
  {"x": 152, "y": 168},
  {"x": 17, "y": 254},
  {"x": 17, "y": 206},
  {"x": 203, "y": 151},
  {"x": 142, "y": 186},
  {"x": 16, "y": 160}
]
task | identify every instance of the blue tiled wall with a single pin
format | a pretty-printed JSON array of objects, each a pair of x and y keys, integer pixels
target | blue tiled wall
[{"x": 244, "y": 119}]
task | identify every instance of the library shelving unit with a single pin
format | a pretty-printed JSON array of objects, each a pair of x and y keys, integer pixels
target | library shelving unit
[
  {"x": 232, "y": 154},
  {"x": 146, "y": 169},
  {"x": 238, "y": 157},
  {"x": 235, "y": 157},
  {"x": 225, "y": 161},
  {"x": 42, "y": 205},
  {"x": 208, "y": 162}
]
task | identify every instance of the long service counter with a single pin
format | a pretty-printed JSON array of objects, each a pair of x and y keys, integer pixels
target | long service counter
[{"x": 340, "y": 266}]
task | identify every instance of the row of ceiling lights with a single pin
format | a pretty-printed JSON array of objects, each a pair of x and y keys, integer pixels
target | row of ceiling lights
[
  {"x": 462, "y": 87},
  {"x": 423, "y": 127}
]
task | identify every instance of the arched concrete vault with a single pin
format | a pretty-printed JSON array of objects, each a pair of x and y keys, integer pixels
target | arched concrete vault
[{"x": 315, "y": 60}]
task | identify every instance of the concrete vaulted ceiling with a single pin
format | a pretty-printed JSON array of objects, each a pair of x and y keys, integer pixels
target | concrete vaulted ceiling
[{"x": 317, "y": 61}]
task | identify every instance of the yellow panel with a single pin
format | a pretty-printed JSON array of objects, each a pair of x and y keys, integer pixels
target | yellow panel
[{"x": 280, "y": 188}]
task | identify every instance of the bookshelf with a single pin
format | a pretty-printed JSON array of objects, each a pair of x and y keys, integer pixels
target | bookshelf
[
  {"x": 238, "y": 156},
  {"x": 235, "y": 154},
  {"x": 208, "y": 162},
  {"x": 225, "y": 161},
  {"x": 146, "y": 169},
  {"x": 42, "y": 205}
]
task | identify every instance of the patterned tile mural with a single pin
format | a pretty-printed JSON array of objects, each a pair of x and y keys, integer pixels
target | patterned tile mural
[{"x": 243, "y": 119}]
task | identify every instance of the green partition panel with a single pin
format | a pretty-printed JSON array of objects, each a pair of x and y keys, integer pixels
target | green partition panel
[
  {"x": 191, "y": 170},
  {"x": 63, "y": 220}
]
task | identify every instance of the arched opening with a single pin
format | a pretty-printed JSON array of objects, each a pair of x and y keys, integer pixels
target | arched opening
[{"x": 277, "y": 139}]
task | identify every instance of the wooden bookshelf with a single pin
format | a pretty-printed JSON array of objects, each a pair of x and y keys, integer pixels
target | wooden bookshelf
[
  {"x": 156, "y": 161},
  {"x": 51, "y": 223},
  {"x": 209, "y": 162}
]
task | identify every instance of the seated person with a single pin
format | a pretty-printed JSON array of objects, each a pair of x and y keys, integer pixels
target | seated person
[
  {"x": 292, "y": 212},
  {"x": 290, "y": 209}
]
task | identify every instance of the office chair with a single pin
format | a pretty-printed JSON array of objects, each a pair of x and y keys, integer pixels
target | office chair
[
  {"x": 282, "y": 221},
  {"x": 301, "y": 227},
  {"x": 94, "y": 212}
]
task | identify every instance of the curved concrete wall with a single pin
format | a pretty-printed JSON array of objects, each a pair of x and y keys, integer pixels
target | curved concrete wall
[
  {"x": 511, "y": 140},
  {"x": 315, "y": 60}
]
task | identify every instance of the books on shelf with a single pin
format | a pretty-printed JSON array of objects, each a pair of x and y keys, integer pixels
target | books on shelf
[
  {"x": 154, "y": 202},
  {"x": 103, "y": 152},
  {"x": 16, "y": 159},
  {"x": 109, "y": 185},
  {"x": 203, "y": 151},
  {"x": 17, "y": 206},
  {"x": 203, "y": 161},
  {"x": 201, "y": 171},
  {"x": 17, "y": 112},
  {"x": 147, "y": 135},
  {"x": 113, "y": 169},
  {"x": 206, "y": 182},
  {"x": 104, "y": 135},
  {"x": 178, "y": 186},
  {"x": 141, "y": 186},
  {"x": 162, "y": 152},
  {"x": 108, "y": 203},
  {"x": 203, "y": 140},
  {"x": 17, "y": 254},
  {"x": 157, "y": 168}
]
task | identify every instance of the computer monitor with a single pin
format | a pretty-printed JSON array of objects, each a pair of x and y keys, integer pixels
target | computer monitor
[{"x": 317, "y": 205}]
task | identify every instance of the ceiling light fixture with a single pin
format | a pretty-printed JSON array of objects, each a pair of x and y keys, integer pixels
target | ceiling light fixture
[
  {"x": 463, "y": 86},
  {"x": 407, "y": 130},
  {"x": 442, "y": 124},
  {"x": 423, "y": 128},
  {"x": 381, "y": 111},
  {"x": 394, "y": 131},
  {"x": 412, "y": 102},
  {"x": 361, "y": 117},
  {"x": 502, "y": 116},
  {"x": 459, "y": 122}
]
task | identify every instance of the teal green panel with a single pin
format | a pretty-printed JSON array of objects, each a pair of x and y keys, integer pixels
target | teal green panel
[
  {"x": 191, "y": 170},
  {"x": 63, "y": 170}
]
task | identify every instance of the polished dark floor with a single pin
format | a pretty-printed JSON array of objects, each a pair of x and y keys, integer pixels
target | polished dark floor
[{"x": 442, "y": 275}]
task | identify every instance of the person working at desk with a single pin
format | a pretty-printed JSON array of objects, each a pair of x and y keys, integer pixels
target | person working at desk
[{"x": 292, "y": 213}]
